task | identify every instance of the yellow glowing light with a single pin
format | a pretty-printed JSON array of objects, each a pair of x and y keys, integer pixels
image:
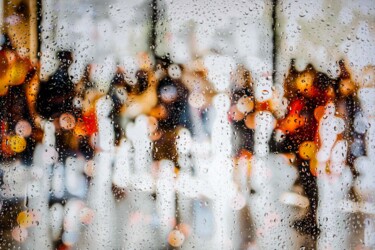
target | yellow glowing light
[
  {"x": 250, "y": 121},
  {"x": 176, "y": 238},
  {"x": 176, "y": 171},
  {"x": 314, "y": 164},
  {"x": 26, "y": 219},
  {"x": 17, "y": 143},
  {"x": 347, "y": 87},
  {"x": 307, "y": 150},
  {"x": 3, "y": 89},
  {"x": 79, "y": 129},
  {"x": 18, "y": 72},
  {"x": 304, "y": 82},
  {"x": 292, "y": 122}
]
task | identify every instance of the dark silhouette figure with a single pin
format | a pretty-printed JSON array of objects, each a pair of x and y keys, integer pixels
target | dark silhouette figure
[{"x": 56, "y": 95}]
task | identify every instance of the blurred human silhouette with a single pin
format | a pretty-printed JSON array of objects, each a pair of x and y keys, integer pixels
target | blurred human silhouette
[{"x": 56, "y": 95}]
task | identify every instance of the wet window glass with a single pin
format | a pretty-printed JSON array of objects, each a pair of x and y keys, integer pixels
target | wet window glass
[{"x": 160, "y": 124}]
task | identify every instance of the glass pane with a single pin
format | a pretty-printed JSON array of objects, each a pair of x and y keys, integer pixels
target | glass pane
[{"x": 187, "y": 125}]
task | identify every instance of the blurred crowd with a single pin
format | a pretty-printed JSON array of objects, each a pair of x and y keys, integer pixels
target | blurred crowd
[{"x": 174, "y": 96}]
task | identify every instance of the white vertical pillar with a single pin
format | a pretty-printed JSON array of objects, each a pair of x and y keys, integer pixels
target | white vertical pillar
[
  {"x": 272, "y": 178},
  {"x": 365, "y": 183},
  {"x": 44, "y": 157},
  {"x": 165, "y": 199},
  {"x": 142, "y": 222},
  {"x": 99, "y": 234},
  {"x": 122, "y": 179},
  {"x": 57, "y": 218},
  {"x": 75, "y": 181},
  {"x": 194, "y": 190},
  {"x": 220, "y": 171},
  {"x": 183, "y": 146},
  {"x": 333, "y": 189}
]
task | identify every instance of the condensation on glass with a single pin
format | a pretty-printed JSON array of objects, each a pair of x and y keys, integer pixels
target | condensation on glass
[{"x": 187, "y": 124}]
